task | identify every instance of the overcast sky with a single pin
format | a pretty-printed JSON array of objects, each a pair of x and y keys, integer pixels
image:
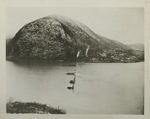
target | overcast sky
[{"x": 125, "y": 25}]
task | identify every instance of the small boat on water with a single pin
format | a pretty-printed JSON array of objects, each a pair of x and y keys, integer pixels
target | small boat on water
[
  {"x": 73, "y": 81},
  {"x": 74, "y": 73},
  {"x": 70, "y": 87},
  {"x": 70, "y": 73}
]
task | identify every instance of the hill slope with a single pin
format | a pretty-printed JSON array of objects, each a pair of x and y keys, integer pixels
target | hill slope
[{"x": 58, "y": 37}]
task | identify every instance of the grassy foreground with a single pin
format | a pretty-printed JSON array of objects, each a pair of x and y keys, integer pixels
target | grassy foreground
[{"x": 32, "y": 107}]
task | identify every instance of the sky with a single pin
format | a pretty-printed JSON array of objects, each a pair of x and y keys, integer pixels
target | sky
[{"x": 125, "y": 25}]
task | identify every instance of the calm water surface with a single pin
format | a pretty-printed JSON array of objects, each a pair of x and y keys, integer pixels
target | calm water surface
[{"x": 100, "y": 88}]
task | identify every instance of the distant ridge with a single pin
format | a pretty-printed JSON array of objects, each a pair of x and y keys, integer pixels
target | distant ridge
[{"x": 137, "y": 46}]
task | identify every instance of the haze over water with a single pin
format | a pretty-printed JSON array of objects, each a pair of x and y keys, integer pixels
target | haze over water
[{"x": 100, "y": 88}]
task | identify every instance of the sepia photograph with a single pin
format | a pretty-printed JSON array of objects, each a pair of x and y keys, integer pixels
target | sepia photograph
[{"x": 75, "y": 60}]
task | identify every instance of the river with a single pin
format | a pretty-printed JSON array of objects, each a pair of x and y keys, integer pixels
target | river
[{"x": 100, "y": 88}]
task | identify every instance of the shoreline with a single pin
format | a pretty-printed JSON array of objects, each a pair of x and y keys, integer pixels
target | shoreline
[{"x": 84, "y": 59}]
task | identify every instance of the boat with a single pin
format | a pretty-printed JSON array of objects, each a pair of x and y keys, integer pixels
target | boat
[
  {"x": 72, "y": 81},
  {"x": 71, "y": 73},
  {"x": 70, "y": 87}
]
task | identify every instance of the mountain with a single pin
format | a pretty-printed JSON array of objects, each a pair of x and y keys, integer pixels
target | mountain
[
  {"x": 57, "y": 37},
  {"x": 137, "y": 46}
]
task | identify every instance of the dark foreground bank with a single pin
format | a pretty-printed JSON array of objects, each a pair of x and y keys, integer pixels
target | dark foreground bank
[{"x": 32, "y": 107}]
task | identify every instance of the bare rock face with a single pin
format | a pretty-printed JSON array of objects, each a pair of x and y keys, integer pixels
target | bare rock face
[{"x": 57, "y": 37}]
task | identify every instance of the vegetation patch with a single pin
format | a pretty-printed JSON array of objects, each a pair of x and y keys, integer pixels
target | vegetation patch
[{"x": 31, "y": 107}]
